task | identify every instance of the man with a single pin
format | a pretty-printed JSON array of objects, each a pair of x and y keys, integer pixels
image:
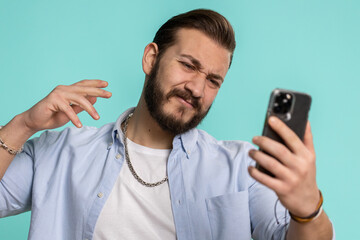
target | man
[{"x": 151, "y": 174}]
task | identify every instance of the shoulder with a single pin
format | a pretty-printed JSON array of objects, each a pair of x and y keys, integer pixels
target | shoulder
[
  {"x": 236, "y": 146},
  {"x": 233, "y": 152},
  {"x": 229, "y": 158},
  {"x": 72, "y": 135}
]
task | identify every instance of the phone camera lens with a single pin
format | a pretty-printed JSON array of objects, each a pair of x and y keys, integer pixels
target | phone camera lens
[{"x": 282, "y": 103}]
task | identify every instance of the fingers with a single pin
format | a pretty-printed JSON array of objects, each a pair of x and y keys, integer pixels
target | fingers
[
  {"x": 92, "y": 100},
  {"x": 78, "y": 109},
  {"x": 64, "y": 103},
  {"x": 86, "y": 91},
  {"x": 70, "y": 113},
  {"x": 270, "y": 182},
  {"x": 290, "y": 138},
  {"x": 275, "y": 149},
  {"x": 84, "y": 104},
  {"x": 270, "y": 164},
  {"x": 91, "y": 83},
  {"x": 308, "y": 138},
  {"x": 77, "y": 106},
  {"x": 83, "y": 98},
  {"x": 78, "y": 97},
  {"x": 89, "y": 91}
]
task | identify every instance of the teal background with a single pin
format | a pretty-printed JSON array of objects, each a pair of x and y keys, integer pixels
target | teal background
[{"x": 310, "y": 46}]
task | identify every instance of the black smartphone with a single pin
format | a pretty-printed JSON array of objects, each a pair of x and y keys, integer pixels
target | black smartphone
[{"x": 293, "y": 109}]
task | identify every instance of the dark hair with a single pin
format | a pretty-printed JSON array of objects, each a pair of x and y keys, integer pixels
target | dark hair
[{"x": 211, "y": 23}]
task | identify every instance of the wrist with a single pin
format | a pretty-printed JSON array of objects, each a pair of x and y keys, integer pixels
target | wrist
[
  {"x": 22, "y": 125},
  {"x": 313, "y": 215},
  {"x": 16, "y": 132},
  {"x": 307, "y": 203}
]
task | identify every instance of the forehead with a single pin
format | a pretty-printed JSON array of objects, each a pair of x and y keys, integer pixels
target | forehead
[{"x": 211, "y": 54}]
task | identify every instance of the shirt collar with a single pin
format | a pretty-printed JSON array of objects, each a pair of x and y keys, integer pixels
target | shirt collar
[
  {"x": 186, "y": 140},
  {"x": 117, "y": 128}
]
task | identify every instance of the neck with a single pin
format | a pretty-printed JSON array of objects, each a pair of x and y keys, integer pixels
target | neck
[{"x": 144, "y": 130}]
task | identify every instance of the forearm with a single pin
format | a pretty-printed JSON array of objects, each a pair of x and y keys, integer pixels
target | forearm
[
  {"x": 320, "y": 229},
  {"x": 14, "y": 134}
]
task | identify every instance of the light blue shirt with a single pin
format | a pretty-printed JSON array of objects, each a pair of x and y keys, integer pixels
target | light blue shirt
[{"x": 65, "y": 178}]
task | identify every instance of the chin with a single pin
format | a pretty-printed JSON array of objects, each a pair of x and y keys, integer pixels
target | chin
[{"x": 183, "y": 114}]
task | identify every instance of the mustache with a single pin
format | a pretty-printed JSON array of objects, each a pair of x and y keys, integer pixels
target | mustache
[{"x": 186, "y": 95}]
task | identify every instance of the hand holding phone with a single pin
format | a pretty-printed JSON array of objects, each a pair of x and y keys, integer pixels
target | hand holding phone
[
  {"x": 292, "y": 108},
  {"x": 292, "y": 159}
]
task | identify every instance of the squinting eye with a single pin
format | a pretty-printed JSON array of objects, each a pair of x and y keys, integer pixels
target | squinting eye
[
  {"x": 191, "y": 67},
  {"x": 214, "y": 82}
]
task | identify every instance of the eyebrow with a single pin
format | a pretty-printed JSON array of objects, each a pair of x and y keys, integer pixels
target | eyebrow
[{"x": 200, "y": 67}]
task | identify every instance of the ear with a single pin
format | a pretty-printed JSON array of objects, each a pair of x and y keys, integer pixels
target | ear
[{"x": 149, "y": 57}]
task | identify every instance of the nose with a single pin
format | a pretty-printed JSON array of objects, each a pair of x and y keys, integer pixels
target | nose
[{"x": 197, "y": 85}]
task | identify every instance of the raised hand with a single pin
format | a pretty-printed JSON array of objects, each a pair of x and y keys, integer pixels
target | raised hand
[{"x": 64, "y": 103}]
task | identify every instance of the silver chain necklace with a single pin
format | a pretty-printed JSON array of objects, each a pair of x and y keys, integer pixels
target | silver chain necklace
[{"x": 129, "y": 162}]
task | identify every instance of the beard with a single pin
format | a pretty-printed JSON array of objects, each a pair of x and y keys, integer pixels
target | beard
[{"x": 156, "y": 98}]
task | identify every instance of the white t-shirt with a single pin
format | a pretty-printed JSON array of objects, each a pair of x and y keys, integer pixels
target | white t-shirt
[{"x": 134, "y": 211}]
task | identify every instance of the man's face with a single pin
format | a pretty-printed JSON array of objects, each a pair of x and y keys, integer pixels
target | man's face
[{"x": 183, "y": 84}]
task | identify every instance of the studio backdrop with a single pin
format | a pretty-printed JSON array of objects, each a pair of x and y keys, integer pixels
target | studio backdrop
[{"x": 308, "y": 46}]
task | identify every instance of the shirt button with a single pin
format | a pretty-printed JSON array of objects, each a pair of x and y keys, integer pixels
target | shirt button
[
  {"x": 118, "y": 156},
  {"x": 110, "y": 144},
  {"x": 100, "y": 195},
  {"x": 179, "y": 202},
  {"x": 117, "y": 136}
]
